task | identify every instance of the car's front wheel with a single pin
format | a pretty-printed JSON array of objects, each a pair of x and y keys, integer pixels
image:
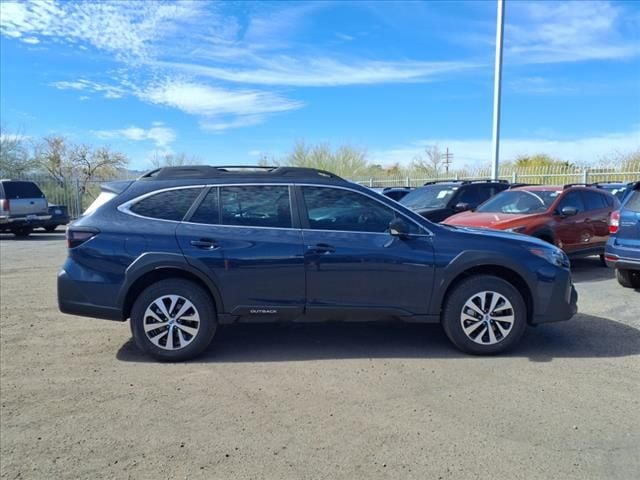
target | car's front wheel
[
  {"x": 23, "y": 232},
  {"x": 173, "y": 320},
  {"x": 484, "y": 315}
]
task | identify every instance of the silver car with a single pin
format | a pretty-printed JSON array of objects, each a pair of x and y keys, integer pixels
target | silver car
[{"x": 23, "y": 207}]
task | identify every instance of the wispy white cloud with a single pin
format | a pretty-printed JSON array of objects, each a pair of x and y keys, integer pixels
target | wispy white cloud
[
  {"x": 323, "y": 71},
  {"x": 478, "y": 151},
  {"x": 204, "y": 100},
  {"x": 108, "y": 91},
  {"x": 552, "y": 32},
  {"x": 159, "y": 134},
  {"x": 219, "y": 126}
]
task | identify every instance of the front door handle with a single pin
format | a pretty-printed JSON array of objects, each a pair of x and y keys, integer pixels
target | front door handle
[
  {"x": 321, "y": 248},
  {"x": 205, "y": 244}
]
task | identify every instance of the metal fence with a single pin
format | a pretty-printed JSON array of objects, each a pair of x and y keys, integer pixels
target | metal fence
[
  {"x": 77, "y": 196},
  {"x": 551, "y": 175}
]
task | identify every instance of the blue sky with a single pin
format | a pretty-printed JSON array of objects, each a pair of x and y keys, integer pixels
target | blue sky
[{"x": 230, "y": 82}]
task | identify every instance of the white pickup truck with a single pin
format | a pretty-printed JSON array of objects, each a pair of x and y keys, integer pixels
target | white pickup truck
[{"x": 23, "y": 207}]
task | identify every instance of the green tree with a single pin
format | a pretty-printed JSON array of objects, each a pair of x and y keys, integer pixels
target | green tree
[
  {"x": 15, "y": 158},
  {"x": 539, "y": 160},
  {"x": 346, "y": 161},
  {"x": 174, "y": 160}
]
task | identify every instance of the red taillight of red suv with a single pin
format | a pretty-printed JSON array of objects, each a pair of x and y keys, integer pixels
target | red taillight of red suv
[{"x": 614, "y": 221}]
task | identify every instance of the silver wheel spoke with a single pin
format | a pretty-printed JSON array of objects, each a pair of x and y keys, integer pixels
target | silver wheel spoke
[
  {"x": 189, "y": 330},
  {"x": 487, "y": 328},
  {"x": 175, "y": 335},
  {"x": 152, "y": 326}
]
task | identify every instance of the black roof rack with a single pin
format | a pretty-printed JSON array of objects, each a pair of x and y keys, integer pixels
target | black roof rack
[
  {"x": 210, "y": 171},
  {"x": 465, "y": 182}
]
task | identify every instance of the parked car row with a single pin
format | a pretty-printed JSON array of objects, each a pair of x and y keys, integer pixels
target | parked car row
[{"x": 23, "y": 208}]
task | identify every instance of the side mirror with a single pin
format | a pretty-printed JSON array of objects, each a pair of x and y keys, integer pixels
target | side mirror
[
  {"x": 461, "y": 207},
  {"x": 568, "y": 211},
  {"x": 398, "y": 228}
]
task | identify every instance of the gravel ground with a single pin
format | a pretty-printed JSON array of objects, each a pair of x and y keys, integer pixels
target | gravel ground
[{"x": 334, "y": 401}]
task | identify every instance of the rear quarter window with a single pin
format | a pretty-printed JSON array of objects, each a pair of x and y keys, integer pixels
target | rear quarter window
[
  {"x": 633, "y": 203},
  {"x": 17, "y": 190},
  {"x": 167, "y": 205}
]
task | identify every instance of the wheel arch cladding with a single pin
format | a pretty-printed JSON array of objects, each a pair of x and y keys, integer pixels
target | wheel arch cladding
[
  {"x": 164, "y": 273},
  {"x": 511, "y": 276}
]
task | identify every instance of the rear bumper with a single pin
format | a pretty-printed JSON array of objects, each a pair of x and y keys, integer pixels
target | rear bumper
[
  {"x": 621, "y": 257},
  {"x": 77, "y": 297},
  {"x": 557, "y": 298},
  {"x": 25, "y": 221}
]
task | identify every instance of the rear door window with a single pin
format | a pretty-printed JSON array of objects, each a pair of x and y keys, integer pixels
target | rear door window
[
  {"x": 167, "y": 205},
  {"x": 18, "y": 190},
  {"x": 256, "y": 206},
  {"x": 208, "y": 211},
  {"x": 594, "y": 200}
]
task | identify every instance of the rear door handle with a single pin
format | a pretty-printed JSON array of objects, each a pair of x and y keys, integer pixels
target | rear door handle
[
  {"x": 321, "y": 248},
  {"x": 205, "y": 244}
]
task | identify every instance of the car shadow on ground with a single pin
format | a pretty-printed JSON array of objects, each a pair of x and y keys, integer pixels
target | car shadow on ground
[
  {"x": 583, "y": 337},
  {"x": 35, "y": 236},
  {"x": 590, "y": 269}
]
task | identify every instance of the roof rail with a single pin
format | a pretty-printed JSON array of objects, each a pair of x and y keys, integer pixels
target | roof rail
[
  {"x": 210, "y": 171},
  {"x": 579, "y": 184},
  {"x": 465, "y": 182}
]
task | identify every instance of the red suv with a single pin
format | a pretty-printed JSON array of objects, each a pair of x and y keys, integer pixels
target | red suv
[{"x": 575, "y": 218}]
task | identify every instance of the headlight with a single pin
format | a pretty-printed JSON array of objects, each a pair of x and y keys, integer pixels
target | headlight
[
  {"x": 519, "y": 229},
  {"x": 553, "y": 255}
]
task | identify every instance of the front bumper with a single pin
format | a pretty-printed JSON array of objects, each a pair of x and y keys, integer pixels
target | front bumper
[{"x": 556, "y": 299}]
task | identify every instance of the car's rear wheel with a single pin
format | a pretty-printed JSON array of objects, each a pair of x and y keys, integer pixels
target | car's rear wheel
[
  {"x": 23, "y": 232},
  {"x": 628, "y": 278},
  {"x": 484, "y": 315},
  {"x": 50, "y": 228},
  {"x": 173, "y": 320}
]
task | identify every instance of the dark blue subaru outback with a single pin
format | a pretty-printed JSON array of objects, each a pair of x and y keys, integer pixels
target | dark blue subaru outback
[{"x": 184, "y": 249}]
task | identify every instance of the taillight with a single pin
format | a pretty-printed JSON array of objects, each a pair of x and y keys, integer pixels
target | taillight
[
  {"x": 4, "y": 203},
  {"x": 614, "y": 221},
  {"x": 77, "y": 236}
]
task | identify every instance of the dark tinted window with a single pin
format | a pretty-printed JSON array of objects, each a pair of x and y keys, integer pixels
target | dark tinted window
[
  {"x": 469, "y": 194},
  {"x": 169, "y": 205},
  {"x": 256, "y": 206},
  {"x": 572, "y": 199},
  {"x": 17, "y": 190},
  {"x": 594, "y": 201},
  {"x": 344, "y": 210},
  {"x": 208, "y": 211},
  {"x": 633, "y": 203}
]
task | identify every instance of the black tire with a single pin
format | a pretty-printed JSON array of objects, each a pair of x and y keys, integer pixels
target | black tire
[
  {"x": 151, "y": 298},
  {"x": 22, "y": 232},
  {"x": 484, "y": 288},
  {"x": 50, "y": 228},
  {"x": 603, "y": 262},
  {"x": 628, "y": 278}
]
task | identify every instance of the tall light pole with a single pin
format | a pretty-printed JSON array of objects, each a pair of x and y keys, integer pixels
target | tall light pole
[{"x": 497, "y": 85}]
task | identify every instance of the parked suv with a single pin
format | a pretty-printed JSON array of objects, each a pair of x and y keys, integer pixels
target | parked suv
[
  {"x": 23, "y": 207},
  {"x": 573, "y": 217},
  {"x": 623, "y": 248},
  {"x": 184, "y": 249},
  {"x": 439, "y": 200}
]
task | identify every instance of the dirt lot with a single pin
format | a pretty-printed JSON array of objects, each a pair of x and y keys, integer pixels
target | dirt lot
[{"x": 314, "y": 401}]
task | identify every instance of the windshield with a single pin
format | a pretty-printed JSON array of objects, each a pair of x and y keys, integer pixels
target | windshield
[
  {"x": 520, "y": 201},
  {"x": 431, "y": 197}
]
